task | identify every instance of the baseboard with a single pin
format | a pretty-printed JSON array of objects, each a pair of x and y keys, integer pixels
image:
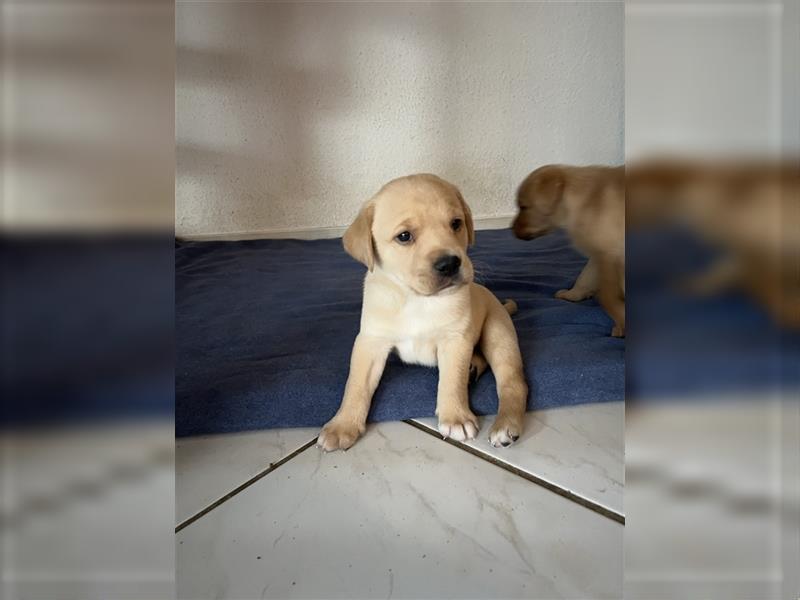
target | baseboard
[
  {"x": 502, "y": 222},
  {"x": 315, "y": 233}
]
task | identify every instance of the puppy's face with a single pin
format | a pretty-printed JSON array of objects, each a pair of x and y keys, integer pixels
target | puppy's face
[
  {"x": 417, "y": 229},
  {"x": 539, "y": 199}
]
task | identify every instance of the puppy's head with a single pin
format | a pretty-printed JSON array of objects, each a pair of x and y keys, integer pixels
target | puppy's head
[
  {"x": 416, "y": 229},
  {"x": 539, "y": 200}
]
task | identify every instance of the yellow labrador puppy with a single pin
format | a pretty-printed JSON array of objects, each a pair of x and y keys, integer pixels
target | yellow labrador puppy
[
  {"x": 420, "y": 301},
  {"x": 589, "y": 204}
]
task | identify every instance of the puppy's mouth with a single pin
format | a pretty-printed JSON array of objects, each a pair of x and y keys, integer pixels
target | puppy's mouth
[
  {"x": 532, "y": 235},
  {"x": 453, "y": 283},
  {"x": 449, "y": 284},
  {"x": 442, "y": 287}
]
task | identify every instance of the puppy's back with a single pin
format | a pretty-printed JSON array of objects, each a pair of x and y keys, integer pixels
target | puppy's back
[{"x": 594, "y": 205}]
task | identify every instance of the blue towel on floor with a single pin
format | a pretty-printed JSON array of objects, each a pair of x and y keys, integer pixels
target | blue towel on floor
[
  {"x": 88, "y": 329},
  {"x": 688, "y": 346},
  {"x": 265, "y": 329}
]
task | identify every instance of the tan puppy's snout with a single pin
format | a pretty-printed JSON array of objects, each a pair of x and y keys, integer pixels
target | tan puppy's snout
[
  {"x": 531, "y": 227},
  {"x": 447, "y": 265},
  {"x": 518, "y": 227}
]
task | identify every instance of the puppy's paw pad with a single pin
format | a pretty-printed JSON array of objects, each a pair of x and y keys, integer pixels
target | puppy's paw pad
[
  {"x": 337, "y": 436},
  {"x": 459, "y": 429},
  {"x": 504, "y": 433}
]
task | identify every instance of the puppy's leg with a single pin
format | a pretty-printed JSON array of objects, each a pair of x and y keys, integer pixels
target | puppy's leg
[
  {"x": 456, "y": 420},
  {"x": 776, "y": 287},
  {"x": 585, "y": 285},
  {"x": 366, "y": 367},
  {"x": 611, "y": 293},
  {"x": 500, "y": 347},
  {"x": 477, "y": 366},
  {"x": 721, "y": 276}
]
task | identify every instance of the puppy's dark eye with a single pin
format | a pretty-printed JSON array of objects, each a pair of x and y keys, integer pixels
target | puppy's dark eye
[
  {"x": 455, "y": 224},
  {"x": 403, "y": 237}
]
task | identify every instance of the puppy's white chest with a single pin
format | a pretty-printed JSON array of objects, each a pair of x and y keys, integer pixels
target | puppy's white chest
[
  {"x": 421, "y": 325},
  {"x": 418, "y": 351}
]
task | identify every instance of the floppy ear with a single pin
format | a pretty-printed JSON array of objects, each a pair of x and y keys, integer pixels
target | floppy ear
[
  {"x": 548, "y": 187},
  {"x": 467, "y": 219},
  {"x": 357, "y": 240}
]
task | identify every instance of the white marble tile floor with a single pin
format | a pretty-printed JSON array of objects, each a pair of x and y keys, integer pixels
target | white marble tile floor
[{"x": 404, "y": 514}]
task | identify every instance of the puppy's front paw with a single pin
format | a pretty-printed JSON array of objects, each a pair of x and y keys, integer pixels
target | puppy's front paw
[
  {"x": 618, "y": 331},
  {"x": 459, "y": 427},
  {"x": 505, "y": 431},
  {"x": 572, "y": 295},
  {"x": 338, "y": 435}
]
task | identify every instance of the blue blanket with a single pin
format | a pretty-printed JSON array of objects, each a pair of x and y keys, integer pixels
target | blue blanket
[
  {"x": 265, "y": 329},
  {"x": 688, "y": 346},
  {"x": 87, "y": 329}
]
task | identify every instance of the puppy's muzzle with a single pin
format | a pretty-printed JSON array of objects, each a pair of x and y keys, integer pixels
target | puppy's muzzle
[
  {"x": 519, "y": 230},
  {"x": 529, "y": 233},
  {"x": 447, "y": 265}
]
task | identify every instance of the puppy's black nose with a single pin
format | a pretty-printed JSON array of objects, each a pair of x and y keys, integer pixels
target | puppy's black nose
[{"x": 447, "y": 265}]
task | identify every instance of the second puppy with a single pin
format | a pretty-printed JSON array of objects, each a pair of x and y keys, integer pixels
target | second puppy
[
  {"x": 420, "y": 301},
  {"x": 589, "y": 203}
]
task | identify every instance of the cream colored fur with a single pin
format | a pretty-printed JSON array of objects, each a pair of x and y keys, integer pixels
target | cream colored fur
[{"x": 426, "y": 318}]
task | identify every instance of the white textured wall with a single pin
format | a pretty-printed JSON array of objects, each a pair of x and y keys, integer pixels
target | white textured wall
[
  {"x": 703, "y": 78},
  {"x": 289, "y": 116}
]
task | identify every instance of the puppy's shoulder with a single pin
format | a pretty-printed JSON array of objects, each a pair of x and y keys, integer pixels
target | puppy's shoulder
[
  {"x": 482, "y": 296},
  {"x": 381, "y": 294}
]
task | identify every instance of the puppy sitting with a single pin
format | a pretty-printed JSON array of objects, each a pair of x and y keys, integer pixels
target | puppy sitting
[
  {"x": 589, "y": 203},
  {"x": 420, "y": 301}
]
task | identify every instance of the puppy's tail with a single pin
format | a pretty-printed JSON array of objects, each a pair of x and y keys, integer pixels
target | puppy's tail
[{"x": 510, "y": 306}]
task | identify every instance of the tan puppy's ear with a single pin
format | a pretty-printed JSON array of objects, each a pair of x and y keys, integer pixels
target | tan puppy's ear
[
  {"x": 467, "y": 219},
  {"x": 357, "y": 240},
  {"x": 547, "y": 189}
]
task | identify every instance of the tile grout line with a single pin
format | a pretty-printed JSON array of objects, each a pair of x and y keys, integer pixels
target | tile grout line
[
  {"x": 556, "y": 489},
  {"x": 245, "y": 485}
]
